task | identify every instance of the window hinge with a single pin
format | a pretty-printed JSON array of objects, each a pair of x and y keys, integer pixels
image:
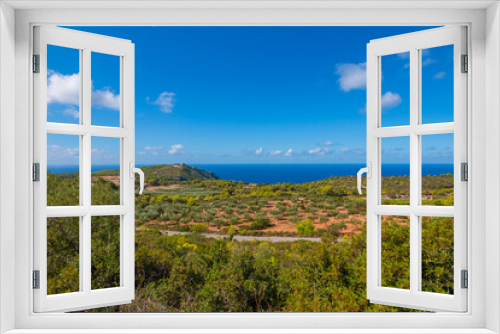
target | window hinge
[
  {"x": 36, "y": 279},
  {"x": 465, "y": 279},
  {"x": 465, "y": 171},
  {"x": 36, "y": 63},
  {"x": 36, "y": 172},
  {"x": 465, "y": 63}
]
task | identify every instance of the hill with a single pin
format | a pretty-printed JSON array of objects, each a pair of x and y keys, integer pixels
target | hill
[{"x": 163, "y": 173}]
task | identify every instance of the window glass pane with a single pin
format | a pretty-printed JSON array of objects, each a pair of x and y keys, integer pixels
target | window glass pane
[
  {"x": 105, "y": 252},
  {"x": 105, "y": 90},
  {"x": 437, "y": 84},
  {"x": 395, "y": 251},
  {"x": 63, "y": 170},
  {"x": 395, "y": 91},
  {"x": 437, "y": 254},
  {"x": 437, "y": 169},
  {"x": 63, "y": 250},
  {"x": 395, "y": 170},
  {"x": 105, "y": 171},
  {"x": 63, "y": 85}
]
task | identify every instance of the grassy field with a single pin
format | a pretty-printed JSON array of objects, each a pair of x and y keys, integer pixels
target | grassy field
[
  {"x": 280, "y": 209},
  {"x": 192, "y": 273}
]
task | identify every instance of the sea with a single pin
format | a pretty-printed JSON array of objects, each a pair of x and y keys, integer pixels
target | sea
[{"x": 281, "y": 173}]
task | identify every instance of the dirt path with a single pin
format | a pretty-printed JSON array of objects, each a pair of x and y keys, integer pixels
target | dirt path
[{"x": 246, "y": 238}]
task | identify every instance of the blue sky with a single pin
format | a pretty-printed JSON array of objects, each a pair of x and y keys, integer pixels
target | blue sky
[{"x": 250, "y": 95}]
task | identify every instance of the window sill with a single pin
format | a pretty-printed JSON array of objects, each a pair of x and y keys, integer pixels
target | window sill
[{"x": 252, "y": 331}]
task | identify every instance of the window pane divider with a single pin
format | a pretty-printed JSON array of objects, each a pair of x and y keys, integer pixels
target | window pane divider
[
  {"x": 433, "y": 129},
  {"x": 415, "y": 177},
  {"x": 419, "y": 210},
  {"x": 421, "y": 129},
  {"x": 81, "y": 130},
  {"x": 102, "y": 131},
  {"x": 80, "y": 211},
  {"x": 396, "y": 131}
]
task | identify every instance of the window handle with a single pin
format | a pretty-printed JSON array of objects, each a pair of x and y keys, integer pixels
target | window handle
[
  {"x": 368, "y": 171},
  {"x": 134, "y": 170}
]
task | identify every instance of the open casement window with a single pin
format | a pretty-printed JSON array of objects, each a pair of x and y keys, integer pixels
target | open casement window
[
  {"x": 83, "y": 235},
  {"x": 426, "y": 219}
]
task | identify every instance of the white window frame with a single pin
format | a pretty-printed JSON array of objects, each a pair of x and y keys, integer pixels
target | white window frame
[
  {"x": 86, "y": 44},
  {"x": 413, "y": 43},
  {"x": 483, "y": 101}
]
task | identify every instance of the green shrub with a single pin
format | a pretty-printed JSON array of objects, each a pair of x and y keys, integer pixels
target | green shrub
[
  {"x": 333, "y": 213},
  {"x": 305, "y": 227},
  {"x": 353, "y": 210},
  {"x": 199, "y": 228},
  {"x": 260, "y": 224},
  {"x": 355, "y": 221},
  {"x": 231, "y": 230}
]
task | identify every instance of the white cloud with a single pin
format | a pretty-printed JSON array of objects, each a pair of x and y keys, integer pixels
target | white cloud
[
  {"x": 153, "y": 148},
  {"x": 360, "y": 151},
  {"x": 316, "y": 150},
  {"x": 390, "y": 100},
  {"x": 166, "y": 102},
  {"x": 174, "y": 149},
  {"x": 275, "y": 153},
  {"x": 104, "y": 155},
  {"x": 96, "y": 151},
  {"x": 65, "y": 89},
  {"x": 352, "y": 76},
  {"x": 326, "y": 143},
  {"x": 259, "y": 151},
  {"x": 72, "y": 111},
  {"x": 105, "y": 98},
  {"x": 319, "y": 151},
  {"x": 248, "y": 151},
  {"x": 440, "y": 75},
  {"x": 57, "y": 151},
  {"x": 288, "y": 153}
]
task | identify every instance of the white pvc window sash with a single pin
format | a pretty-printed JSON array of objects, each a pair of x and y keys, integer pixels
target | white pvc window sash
[
  {"x": 414, "y": 43},
  {"x": 86, "y": 43}
]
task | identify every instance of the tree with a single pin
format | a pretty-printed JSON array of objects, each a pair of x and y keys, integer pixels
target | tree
[
  {"x": 231, "y": 230},
  {"x": 305, "y": 227},
  {"x": 333, "y": 233},
  {"x": 260, "y": 224},
  {"x": 327, "y": 191}
]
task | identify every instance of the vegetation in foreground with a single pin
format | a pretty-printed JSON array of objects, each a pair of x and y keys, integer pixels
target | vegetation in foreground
[{"x": 192, "y": 273}]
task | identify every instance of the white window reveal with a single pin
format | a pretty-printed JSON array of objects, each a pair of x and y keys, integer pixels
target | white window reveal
[
  {"x": 420, "y": 130},
  {"x": 82, "y": 213}
]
